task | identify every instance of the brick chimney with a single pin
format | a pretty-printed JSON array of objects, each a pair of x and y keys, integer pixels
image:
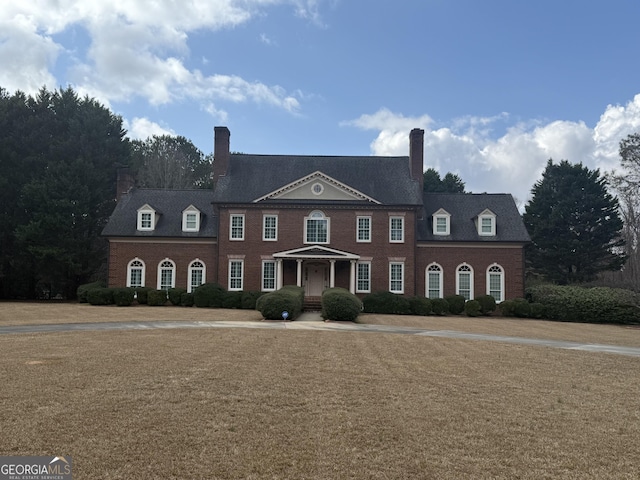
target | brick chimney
[
  {"x": 416, "y": 155},
  {"x": 124, "y": 182},
  {"x": 221, "y": 152}
]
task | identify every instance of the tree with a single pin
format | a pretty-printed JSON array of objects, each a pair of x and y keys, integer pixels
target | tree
[
  {"x": 451, "y": 183},
  {"x": 170, "y": 162},
  {"x": 574, "y": 225}
]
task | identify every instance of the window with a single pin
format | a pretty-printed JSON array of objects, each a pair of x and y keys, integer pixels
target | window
[
  {"x": 166, "y": 274},
  {"x": 464, "y": 281},
  {"x": 495, "y": 282},
  {"x": 487, "y": 223},
  {"x": 316, "y": 228},
  {"x": 317, "y": 189},
  {"x": 396, "y": 277},
  {"x": 396, "y": 229},
  {"x": 191, "y": 219},
  {"x": 196, "y": 275},
  {"x": 270, "y": 227},
  {"x": 236, "y": 268},
  {"x": 441, "y": 223},
  {"x": 434, "y": 281},
  {"x": 268, "y": 275},
  {"x": 146, "y": 218},
  {"x": 236, "y": 227},
  {"x": 135, "y": 273},
  {"x": 364, "y": 229},
  {"x": 363, "y": 279}
]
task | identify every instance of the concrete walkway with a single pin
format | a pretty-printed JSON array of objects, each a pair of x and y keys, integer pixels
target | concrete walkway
[{"x": 313, "y": 321}]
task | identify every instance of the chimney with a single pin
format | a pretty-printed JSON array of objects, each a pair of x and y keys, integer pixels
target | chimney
[
  {"x": 221, "y": 152},
  {"x": 416, "y": 155},
  {"x": 124, "y": 182}
]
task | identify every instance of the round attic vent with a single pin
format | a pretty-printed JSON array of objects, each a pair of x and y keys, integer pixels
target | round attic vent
[{"x": 317, "y": 188}]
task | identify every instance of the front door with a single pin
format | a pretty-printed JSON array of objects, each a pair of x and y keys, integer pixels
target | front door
[{"x": 315, "y": 279}]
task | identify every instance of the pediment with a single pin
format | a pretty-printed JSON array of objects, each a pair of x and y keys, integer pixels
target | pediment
[
  {"x": 317, "y": 252},
  {"x": 317, "y": 186}
]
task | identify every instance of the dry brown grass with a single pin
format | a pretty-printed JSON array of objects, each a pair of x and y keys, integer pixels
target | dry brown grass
[{"x": 257, "y": 404}]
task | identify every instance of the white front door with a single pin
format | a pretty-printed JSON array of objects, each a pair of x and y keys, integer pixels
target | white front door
[{"x": 315, "y": 279}]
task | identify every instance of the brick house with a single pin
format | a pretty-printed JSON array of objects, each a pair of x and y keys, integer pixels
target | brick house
[{"x": 362, "y": 223}]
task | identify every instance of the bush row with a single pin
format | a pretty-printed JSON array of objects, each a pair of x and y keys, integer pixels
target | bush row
[{"x": 391, "y": 303}]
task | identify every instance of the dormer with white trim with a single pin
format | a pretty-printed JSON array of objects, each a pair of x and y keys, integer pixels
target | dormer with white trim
[
  {"x": 441, "y": 222},
  {"x": 191, "y": 219},
  {"x": 486, "y": 223},
  {"x": 147, "y": 218}
]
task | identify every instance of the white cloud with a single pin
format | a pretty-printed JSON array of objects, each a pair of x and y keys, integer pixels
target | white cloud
[
  {"x": 510, "y": 162},
  {"x": 143, "y": 128}
]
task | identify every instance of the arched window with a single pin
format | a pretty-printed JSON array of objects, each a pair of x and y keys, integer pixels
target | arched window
[
  {"x": 166, "y": 274},
  {"x": 135, "y": 273},
  {"x": 495, "y": 282},
  {"x": 197, "y": 275},
  {"x": 434, "y": 281},
  {"x": 464, "y": 281},
  {"x": 316, "y": 228}
]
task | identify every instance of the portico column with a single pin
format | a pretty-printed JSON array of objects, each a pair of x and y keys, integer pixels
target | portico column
[
  {"x": 352, "y": 277},
  {"x": 332, "y": 274},
  {"x": 299, "y": 272},
  {"x": 279, "y": 273}
]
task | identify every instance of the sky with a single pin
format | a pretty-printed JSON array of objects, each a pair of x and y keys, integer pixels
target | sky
[{"x": 499, "y": 86}]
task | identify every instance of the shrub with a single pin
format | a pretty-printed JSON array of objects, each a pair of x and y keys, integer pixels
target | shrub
[
  {"x": 420, "y": 306},
  {"x": 249, "y": 299},
  {"x": 507, "y": 308},
  {"x": 175, "y": 295},
  {"x": 100, "y": 296},
  {"x": 232, "y": 300},
  {"x": 288, "y": 299},
  {"x": 82, "y": 290},
  {"x": 156, "y": 298},
  {"x": 439, "y": 306},
  {"x": 340, "y": 304},
  {"x": 473, "y": 308},
  {"x": 141, "y": 294},
  {"x": 487, "y": 304},
  {"x": 186, "y": 299},
  {"x": 537, "y": 310},
  {"x": 123, "y": 297},
  {"x": 209, "y": 295},
  {"x": 456, "y": 304},
  {"x": 386, "y": 302},
  {"x": 521, "y": 308}
]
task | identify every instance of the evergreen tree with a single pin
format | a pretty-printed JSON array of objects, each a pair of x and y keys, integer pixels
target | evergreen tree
[
  {"x": 574, "y": 225},
  {"x": 451, "y": 183}
]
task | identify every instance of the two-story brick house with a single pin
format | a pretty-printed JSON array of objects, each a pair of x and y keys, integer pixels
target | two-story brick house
[{"x": 362, "y": 223}]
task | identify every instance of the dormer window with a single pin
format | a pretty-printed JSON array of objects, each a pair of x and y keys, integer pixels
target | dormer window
[
  {"x": 442, "y": 222},
  {"x": 486, "y": 223},
  {"x": 191, "y": 219},
  {"x": 146, "y": 219}
]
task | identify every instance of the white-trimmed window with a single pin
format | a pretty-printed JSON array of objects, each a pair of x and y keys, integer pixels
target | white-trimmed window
[
  {"x": 236, "y": 274},
  {"x": 166, "y": 274},
  {"x": 487, "y": 224},
  {"x": 434, "y": 281},
  {"x": 268, "y": 275},
  {"x": 495, "y": 282},
  {"x": 135, "y": 273},
  {"x": 441, "y": 223},
  {"x": 270, "y": 228},
  {"x": 464, "y": 281},
  {"x": 316, "y": 228},
  {"x": 197, "y": 274},
  {"x": 363, "y": 277},
  {"x": 146, "y": 219},
  {"x": 396, "y": 277},
  {"x": 191, "y": 219},
  {"x": 363, "y": 229},
  {"x": 396, "y": 229},
  {"x": 236, "y": 226}
]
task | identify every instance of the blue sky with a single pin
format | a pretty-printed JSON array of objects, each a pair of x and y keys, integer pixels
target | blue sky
[{"x": 500, "y": 86}]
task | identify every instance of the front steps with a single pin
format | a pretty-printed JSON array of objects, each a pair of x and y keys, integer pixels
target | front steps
[{"x": 312, "y": 304}]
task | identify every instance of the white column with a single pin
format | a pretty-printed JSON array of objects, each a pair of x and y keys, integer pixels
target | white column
[
  {"x": 299, "y": 273},
  {"x": 352, "y": 277},
  {"x": 278, "y": 273},
  {"x": 332, "y": 274}
]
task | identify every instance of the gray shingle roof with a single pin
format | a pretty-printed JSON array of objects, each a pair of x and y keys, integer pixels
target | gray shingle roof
[
  {"x": 464, "y": 208},
  {"x": 385, "y": 179},
  {"x": 169, "y": 204}
]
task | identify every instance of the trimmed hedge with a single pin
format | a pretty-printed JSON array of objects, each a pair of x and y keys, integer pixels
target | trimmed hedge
[
  {"x": 156, "y": 298},
  {"x": 287, "y": 299},
  {"x": 186, "y": 299},
  {"x": 386, "y": 302},
  {"x": 142, "y": 294},
  {"x": 209, "y": 295},
  {"x": 487, "y": 304},
  {"x": 175, "y": 295},
  {"x": 439, "y": 306},
  {"x": 123, "y": 297},
  {"x": 232, "y": 300},
  {"x": 473, "y": 308},
  {"x": 100, "y": 296},
  {"x": 456, "y": 304},
  {"x": 340, "y": 304},
  {"x": 83, "y": 290},
  {"x": 249, "y": 299},
  {"x": 420, "y": 306}
]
